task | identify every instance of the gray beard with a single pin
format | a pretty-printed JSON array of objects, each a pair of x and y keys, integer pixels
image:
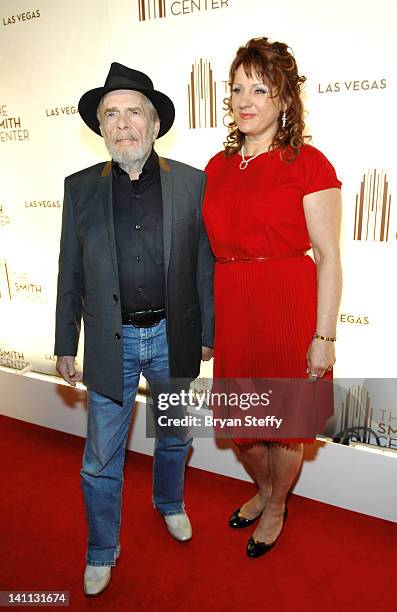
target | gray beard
[{"x": 130, "y": 160}]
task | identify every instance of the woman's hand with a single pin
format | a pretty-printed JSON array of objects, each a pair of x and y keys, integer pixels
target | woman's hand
[
  {"x": 320, "y": 358},
  {"x": 323, "y": 219}
]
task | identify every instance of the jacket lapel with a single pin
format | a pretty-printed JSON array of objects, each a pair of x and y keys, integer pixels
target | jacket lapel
[
  {"x": 166, "y": 190},
  {"x": 105, "y": 186}
]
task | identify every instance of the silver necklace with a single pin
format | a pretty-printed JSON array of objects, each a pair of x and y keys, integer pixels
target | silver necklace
[{"x": 244, "y": 162}]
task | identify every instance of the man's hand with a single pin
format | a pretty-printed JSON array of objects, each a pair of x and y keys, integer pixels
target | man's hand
[
  {"x": 207, "y": 353},
  {"x": 65, "y": 367}
]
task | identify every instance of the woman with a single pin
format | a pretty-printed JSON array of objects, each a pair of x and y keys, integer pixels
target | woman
[{"x": 270, "y": 198}]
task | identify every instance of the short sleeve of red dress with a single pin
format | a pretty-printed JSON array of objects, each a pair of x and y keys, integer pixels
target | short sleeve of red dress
[{"x": 318, "y": 172}]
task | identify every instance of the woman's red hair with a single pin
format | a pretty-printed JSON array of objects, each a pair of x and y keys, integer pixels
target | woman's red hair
[{"x": 275, "y": 65}]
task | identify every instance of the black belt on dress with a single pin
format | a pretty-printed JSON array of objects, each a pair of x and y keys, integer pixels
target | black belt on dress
[
  {"x": 258, "y": 259},
  {"x": 143, "y": 318}
]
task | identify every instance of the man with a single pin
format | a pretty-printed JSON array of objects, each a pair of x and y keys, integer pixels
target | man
[{"x": 136, "y": 264}]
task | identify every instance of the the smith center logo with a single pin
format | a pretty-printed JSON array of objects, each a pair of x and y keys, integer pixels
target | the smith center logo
[
  {"x": 360, "y": 421},
  {"x": 19, "y": 286},
  {"x": 159, "y": 9},
  {"x": 11, "y": 357},
  {"x": 206, "y": 96},
  {"x": 11, "y": 126},
  {"x": 372, "y": 209}
]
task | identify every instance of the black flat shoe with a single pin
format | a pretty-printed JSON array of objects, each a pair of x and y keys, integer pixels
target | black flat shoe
[
  {"x": 257, "y": 549},
  {"x": 237, "y": 522}
]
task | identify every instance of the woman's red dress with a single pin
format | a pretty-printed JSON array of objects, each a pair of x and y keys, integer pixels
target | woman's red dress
[{"x": 265, "y": 311}]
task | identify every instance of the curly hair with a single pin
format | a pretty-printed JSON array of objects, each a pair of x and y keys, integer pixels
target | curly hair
[{"x": 277, "y": 68}]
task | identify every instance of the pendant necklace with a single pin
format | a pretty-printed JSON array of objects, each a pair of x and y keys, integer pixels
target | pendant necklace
[{"x": 244, "y": 162}]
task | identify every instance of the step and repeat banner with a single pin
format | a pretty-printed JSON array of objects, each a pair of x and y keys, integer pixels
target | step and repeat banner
[{"x": 53, "y": 51}]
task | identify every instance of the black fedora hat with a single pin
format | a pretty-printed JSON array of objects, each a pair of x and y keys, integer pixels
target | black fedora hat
[{"x": 121, "y": 77}]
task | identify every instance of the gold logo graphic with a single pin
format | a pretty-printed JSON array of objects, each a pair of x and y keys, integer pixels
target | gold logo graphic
[
  {"x": 5, "y": 287},
  {"x": 18, "y": 286},
  {"x": 356, "y": 410},
  {"x": 4, "y": 218},
  {"x": 151, "y": 9},
  {"x": 12, "y": 358},
  {"x": 359, "y": 421},
  {"x": 373, "y": 202},
  {"x": 202, "y": 96}
]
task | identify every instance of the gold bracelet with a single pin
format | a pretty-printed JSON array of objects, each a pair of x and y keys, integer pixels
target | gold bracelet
[{"x": 329, "y": 338}]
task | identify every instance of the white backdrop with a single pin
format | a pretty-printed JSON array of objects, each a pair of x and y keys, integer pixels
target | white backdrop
[{"x": 54, "y": 51}]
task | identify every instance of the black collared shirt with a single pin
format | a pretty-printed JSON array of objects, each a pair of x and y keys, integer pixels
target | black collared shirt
[{"x": 138, "y": 225}]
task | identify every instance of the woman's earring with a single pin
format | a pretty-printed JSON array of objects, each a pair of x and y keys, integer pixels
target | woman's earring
[{"x": 283, "y": 119}]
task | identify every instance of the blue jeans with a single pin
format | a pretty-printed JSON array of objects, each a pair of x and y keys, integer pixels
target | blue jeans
[{"x": 146, "y": 351}]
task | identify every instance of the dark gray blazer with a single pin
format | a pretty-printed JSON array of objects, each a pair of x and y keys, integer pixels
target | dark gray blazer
[{"x": 88, "y": 284}]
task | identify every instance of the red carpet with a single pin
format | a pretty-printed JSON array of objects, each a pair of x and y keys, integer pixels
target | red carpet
[{"x": 327, "y": 558}]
